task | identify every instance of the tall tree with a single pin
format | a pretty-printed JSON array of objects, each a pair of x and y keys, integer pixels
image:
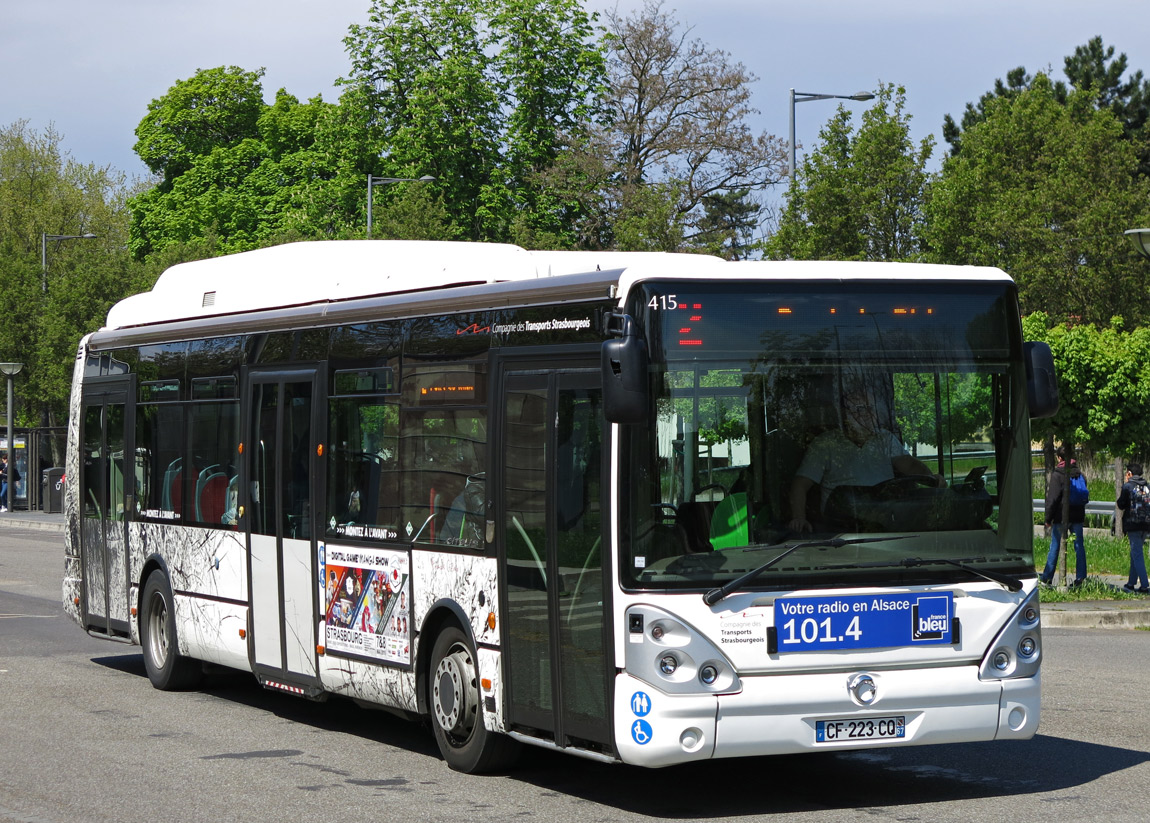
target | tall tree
[
  {"x": 480, "y": 95},
  {"x": 216, "y": 108},
  {"x": 553, "y": 77},
  {"x": 858, "y": 195},
  {"x": 290, "y": 172},
  {"x": 1044, "y": 189},
  {"x": 728, "y": 225},
  {"x": 1092, "y": 68},
  {"x": 679, "y": 112},
  {"x": 52, "y": 292},
  {"x": 1104, "y": 385}
]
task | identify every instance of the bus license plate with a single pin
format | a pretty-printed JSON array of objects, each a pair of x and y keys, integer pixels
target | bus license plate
[{"x": 866, "y": 728}]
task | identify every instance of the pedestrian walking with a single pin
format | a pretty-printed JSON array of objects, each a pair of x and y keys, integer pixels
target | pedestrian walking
[
  {"x": 1066, "y": 479},
  {"x": 4, "y": 480},
  {"x": 1134, "y": 502}
]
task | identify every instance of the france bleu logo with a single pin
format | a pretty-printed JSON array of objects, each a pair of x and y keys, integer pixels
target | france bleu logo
[{"x": 930, "y": 618}]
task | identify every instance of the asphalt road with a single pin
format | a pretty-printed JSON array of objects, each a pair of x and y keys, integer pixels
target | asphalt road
[{"x": 84, "y": 737}]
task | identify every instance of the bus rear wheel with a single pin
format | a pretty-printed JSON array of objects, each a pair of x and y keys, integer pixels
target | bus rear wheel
[
  {"x": 453, "y": 695},
  {"x": 167, "y": 668}
]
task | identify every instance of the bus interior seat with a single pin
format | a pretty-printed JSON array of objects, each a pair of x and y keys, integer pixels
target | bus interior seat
[
  {"x": 177, "y": 492},
  {"x": 369, "y": 500},
  {"x": 694, "y": 517},
  {"x": 170, "y": 500},
  {"x": 730, "y": 525},
  {"x": 211, "y": 495}
]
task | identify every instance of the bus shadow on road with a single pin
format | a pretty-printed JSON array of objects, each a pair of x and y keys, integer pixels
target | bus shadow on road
[
  {"x": 763, "y": 785},
  {"x": 336, "y": 714},
  {"x": 828, "y": 781}
]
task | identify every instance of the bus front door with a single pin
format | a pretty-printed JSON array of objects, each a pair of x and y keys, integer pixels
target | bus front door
[
  {"x": 555, "y": 633},
  {"x": 282, "y": 479},
  {"x": 106, "y": 474}
]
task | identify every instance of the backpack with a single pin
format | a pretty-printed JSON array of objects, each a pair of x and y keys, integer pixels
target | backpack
[
  {"x": 1138, "y": 512},
  {"x": 1079, "y": 494}
]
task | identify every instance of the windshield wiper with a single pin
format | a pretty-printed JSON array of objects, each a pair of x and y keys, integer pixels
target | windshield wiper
[
  {"x": 715, "y": 595},
  {"x": 1011, "y": 583}
]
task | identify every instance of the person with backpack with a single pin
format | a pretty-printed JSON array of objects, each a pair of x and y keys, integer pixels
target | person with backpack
[
  {"x": 1061, "y": 479},
  {"x": 1134, "y": 501}
]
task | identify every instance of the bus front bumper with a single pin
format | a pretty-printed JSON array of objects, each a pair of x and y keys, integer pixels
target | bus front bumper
[{"x": 789, "y": 714}]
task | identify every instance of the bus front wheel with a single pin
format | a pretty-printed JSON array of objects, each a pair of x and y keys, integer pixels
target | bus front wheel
[
  {"x": 167, "y": 668},
  {"x": 453, "y": 691}
]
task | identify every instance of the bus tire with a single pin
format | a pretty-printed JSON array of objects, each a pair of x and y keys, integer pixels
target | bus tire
[
  {"x": 453, "y": 697},
  {"x": 167, "y": 668}
]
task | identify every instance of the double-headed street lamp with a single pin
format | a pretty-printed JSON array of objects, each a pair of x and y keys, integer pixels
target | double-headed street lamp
[
  {"x": 10, "y": 370},
  {"x": 803, "y": 97},
  {"x": 44, "y": 238},
  {"x": 373, "y": 181}
]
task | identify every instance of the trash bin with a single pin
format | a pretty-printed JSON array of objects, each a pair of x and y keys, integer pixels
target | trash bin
[{"x": 52, "y": 490}]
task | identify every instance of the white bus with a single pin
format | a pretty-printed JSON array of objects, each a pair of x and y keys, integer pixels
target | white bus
[{"x": 549, "y": 498}]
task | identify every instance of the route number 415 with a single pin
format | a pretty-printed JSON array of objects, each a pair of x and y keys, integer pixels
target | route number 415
[{"x": 663, "y": 302}]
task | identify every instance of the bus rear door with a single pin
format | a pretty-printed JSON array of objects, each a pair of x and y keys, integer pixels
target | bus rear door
[
  {"x": 106, "y": 474},
  {"x": 282, "y": 478}
]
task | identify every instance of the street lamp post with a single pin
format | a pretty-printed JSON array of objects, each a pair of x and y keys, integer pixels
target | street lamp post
[
  {"x": 803, "y": 97},
  {"x": 1140, "y": 239},
  {"x": 11, "y": 370},
  {"x": 373, "y": 181},
  {"x": 44, "y": 238}
]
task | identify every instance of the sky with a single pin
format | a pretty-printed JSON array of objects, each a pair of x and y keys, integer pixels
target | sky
[{"x": 90, "y": 69}]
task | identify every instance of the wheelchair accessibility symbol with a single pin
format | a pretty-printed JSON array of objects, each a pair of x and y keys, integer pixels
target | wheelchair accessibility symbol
[{"x": 641, "y": 732}]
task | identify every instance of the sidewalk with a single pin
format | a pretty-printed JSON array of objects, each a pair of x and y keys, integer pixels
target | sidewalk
[
  {"x": 38, "y": 520},
  {"x": 1084, "y": 614}
]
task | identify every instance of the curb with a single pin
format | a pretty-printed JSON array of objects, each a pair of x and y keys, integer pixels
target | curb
[
  {"x": 1112, "y": 617},
  {"x": 31, "y": 524}
]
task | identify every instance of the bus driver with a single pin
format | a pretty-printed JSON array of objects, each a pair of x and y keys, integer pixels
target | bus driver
[{"x": 861, "y": 453}]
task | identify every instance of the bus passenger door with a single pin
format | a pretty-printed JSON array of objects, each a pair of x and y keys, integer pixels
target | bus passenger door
[
  {"x": 282, "y": 480},
  {"x": 552, "y": 558},
  {"x": 106, "y": 473}
]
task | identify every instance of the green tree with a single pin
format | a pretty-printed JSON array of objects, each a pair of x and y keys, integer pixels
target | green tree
[
  {"x": 292, "y": 175},
  {"x": 728, "y": 224},
  {"x": 650, "y": 218},
  {"x": 1044, "y": 189},
  {"x": 1104, "y": 385},
  {"x": 554, "y": 78},
  {"x": 215, "y": 108},
  {"x": 48, "y": 308},
  {"x": 1092, "y": 68},
  {"x": 481, "y": 95},
  {"x": 858, "y": 195}
]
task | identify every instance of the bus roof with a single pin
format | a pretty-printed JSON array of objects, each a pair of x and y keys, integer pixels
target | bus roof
[
  {"x": 303, "y": 273},
  {"x": 333, "y": 271}
]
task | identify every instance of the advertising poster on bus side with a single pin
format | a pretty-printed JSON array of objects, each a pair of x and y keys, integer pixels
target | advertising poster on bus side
[{"x": 366, "y": 598}]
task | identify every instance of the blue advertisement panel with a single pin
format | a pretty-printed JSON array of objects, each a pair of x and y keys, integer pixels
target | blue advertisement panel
[{"x": 808, "y": 624}]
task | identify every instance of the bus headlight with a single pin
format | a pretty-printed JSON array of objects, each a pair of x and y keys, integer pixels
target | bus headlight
[
  {"x": 672, "y": 656},
  {"x": 1017, "y": 649}
]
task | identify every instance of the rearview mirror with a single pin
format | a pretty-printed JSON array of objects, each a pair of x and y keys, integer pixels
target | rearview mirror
[
  {"x": 1041, "y": 380},
  {"x": 624, "y": 362}
]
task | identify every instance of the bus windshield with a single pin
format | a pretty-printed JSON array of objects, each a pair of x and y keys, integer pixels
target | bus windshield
[{"x": 786, "y": 412}]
